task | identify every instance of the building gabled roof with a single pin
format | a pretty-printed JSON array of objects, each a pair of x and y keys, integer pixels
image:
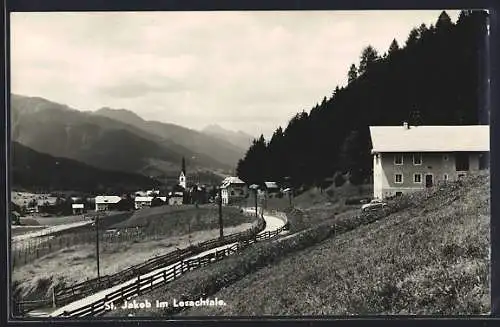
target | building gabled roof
[
  {"x": 473, "y": 138},
  {"x": 143, "y": 198},
  {"x": 231, "y": 180},
  {"x": 100, "y": 199},
  {"x": 269, "y": 185}
]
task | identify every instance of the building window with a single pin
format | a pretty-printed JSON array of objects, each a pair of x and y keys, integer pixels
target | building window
[
  {"x": 399, "y": 193},
  {"x": 445, "y": 157},
  {"x": 417, "y": 159},
  {"x": 417, "y": 178},
  {"x": 462, "y": 162},
  {"x": 398, "y": 159},
  {"x": 398, "y": 178},
  {"x": 445, "y": 177}
]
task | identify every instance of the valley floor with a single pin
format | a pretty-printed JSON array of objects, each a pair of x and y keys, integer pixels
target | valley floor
[{"x": 76, "y": 263}]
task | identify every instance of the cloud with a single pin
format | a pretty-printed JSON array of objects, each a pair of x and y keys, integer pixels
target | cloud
[{"x": 244, "y": 70}]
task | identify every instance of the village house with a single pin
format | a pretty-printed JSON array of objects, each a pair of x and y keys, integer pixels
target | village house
[
  {"x": 43, "y": 202},
  {"x": 176, "y": 198},
  {"x": 271, "y": 189},
  {"x": 145, "y": 201},
  {"x": 233, "y": 190},
  {"x": 412, "y": 158},
  {"x": 106, "y": 202},
  {"x": 78, "y": 208}
]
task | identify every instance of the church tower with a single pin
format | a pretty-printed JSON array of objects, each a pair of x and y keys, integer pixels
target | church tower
[{"x": 182, "y": 176}]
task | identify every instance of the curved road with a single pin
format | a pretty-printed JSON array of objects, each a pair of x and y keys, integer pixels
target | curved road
[{"x": 272, "y": 223}]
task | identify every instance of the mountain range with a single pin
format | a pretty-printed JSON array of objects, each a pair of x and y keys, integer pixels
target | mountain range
[
  {"x": 239, "y": 139},
  {"x": 117, "y": 139}
]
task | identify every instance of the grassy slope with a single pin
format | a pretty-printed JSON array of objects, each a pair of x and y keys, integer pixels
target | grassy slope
[
  {"x": 430, "y": 256},
  {"x": 76, "y": 263},
  {"x": 315, "y": 206},
  {"x": 173, "y": 220}
]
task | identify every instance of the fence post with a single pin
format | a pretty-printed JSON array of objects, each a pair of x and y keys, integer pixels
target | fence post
[{"x": 54, "y": 297}]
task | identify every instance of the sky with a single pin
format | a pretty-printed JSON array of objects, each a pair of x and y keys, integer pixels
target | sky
[{"x": 247, "y": 70}]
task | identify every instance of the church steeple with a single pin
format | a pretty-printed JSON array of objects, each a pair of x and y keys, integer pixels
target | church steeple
[{"x": 182, "y": 176}]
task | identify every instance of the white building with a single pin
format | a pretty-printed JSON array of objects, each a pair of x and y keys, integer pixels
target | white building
[
  {"x": 176, "y": 198},
  {"x": 78, "y": 208},
  {"x": 182, "y": 179},
  {"x": 145, "y": 201},
  {"x": 233, "y": 190},
  {"x": 271, "y": 189},
  {"x": 141, "y": 201},
  {"x": 105, "y": 202},
  {"x": 411, "y": 158}
]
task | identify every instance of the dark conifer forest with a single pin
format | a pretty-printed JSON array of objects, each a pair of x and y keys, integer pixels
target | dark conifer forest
[{"x": 438, "y": 77}]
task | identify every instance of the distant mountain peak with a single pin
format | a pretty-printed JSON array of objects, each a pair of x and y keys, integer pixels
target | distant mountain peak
[
  {"x": 123, "y": 115},
  {"x": 213, "y": 128},
  {"x": 240, "y": 139}
]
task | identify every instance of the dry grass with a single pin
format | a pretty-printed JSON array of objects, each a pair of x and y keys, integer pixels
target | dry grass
[
  {"x": 430, "y": 255},
  {"x": 428, "y": 259},
  {"x": 173, "y": 220},
  {"x": 21, "y": 230},
  {"x": 78, "y": 263}
]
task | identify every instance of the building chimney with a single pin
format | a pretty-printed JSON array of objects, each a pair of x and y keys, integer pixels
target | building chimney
[{"x": 405, "y": 125}]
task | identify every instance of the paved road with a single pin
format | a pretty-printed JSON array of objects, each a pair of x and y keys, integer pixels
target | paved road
[{"x": 272, "y": 223}]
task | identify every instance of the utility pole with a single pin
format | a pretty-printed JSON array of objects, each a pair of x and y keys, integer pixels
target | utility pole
[
  {"x": 221, "y": 228},
  {"x": 97, "y": 245},
  {"x": 256, "y": 204}
]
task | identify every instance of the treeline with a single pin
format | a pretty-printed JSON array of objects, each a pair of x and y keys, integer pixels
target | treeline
[{"x": 436, "y": 78}]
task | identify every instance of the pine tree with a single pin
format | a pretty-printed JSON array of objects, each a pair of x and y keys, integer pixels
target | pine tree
[
  {"x": 393, "y": 47},
  {"x": 444, "y": 21},
  {"x": 335, "y": 92},
  {"x": 422, "y": 31},
  {"x": 412, "y": 38},
  {"x": 368, "y": 56},
  {"x": 352, "y": 75}
]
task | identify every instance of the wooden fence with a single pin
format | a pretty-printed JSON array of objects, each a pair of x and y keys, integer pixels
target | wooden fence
[
  {"x": 159, "y": 279},
  {"x": 80, "y": 290}
]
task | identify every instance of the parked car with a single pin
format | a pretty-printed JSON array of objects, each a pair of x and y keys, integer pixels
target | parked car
[{"x": 374, "y": 204}]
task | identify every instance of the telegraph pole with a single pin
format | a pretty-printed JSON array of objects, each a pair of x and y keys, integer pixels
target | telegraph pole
[
  {"x": 221, "y": 228},
  {"x": 256, "y": 205},
  {"x": 97, "y": 245}
]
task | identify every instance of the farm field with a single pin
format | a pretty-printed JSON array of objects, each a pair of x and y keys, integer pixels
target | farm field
[
  {"x": 76, "y": 263},
  {"x": 428, "y": 253}
]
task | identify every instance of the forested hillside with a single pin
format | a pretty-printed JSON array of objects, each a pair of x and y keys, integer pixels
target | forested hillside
[
  {"x": 436, "y": 78},
  {"x": 32, "y": 170}
]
